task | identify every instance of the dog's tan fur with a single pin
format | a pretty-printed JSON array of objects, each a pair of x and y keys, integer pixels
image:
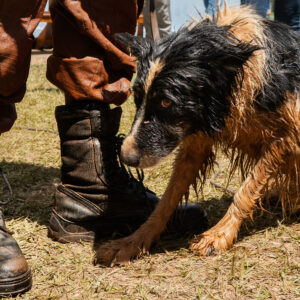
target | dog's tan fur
[{"x": 265, "y": 146}]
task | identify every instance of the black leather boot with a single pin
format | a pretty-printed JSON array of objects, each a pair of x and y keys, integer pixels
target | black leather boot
[
  {"x": 97, "y": 196},
  {"x": 15, "y": 275}
]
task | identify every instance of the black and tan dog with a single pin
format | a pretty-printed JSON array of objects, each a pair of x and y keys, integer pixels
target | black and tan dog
[{"x": 230, "y": 83}]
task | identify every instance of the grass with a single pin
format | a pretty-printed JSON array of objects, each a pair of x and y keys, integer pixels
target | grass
[{"x": 263, "y": 264}]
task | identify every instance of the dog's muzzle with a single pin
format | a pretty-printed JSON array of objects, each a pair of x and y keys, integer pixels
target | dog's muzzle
[{"x": 129, "y": 153}]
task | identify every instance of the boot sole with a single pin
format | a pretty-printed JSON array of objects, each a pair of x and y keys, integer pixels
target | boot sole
[
  {"x": 69, "y": 237},
  {"x": 57, "y": 232},
  {"x": 17, "y": 285}
]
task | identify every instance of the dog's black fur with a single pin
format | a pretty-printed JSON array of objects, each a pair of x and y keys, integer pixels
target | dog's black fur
[{"x": 283, "y": 62}]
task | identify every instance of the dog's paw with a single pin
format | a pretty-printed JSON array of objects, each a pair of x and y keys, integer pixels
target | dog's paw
[
  {"x": 209, "y": 243},
  {"x": 119, "y": 252}
]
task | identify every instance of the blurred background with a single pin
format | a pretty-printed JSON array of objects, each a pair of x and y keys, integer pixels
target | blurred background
[{"x": 181, "y": 11}]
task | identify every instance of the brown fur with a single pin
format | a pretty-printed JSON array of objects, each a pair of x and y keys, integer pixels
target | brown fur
[{"x": 155, "y": 67}]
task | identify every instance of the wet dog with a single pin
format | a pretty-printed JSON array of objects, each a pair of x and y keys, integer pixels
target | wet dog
[{"x": 227, "y": 83}]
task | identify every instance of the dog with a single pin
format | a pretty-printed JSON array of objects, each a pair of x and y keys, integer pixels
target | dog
[{"x": 228, "y": 83}]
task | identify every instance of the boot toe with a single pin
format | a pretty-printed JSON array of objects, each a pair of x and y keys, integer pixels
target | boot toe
[
  {"x": 15, "y": 274},
  {"x": 188, "y": 218}
]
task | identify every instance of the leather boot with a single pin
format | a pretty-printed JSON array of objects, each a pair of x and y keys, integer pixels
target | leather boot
[
  {"x": 97, "y": 194},
  {"x": 15, "y": 274}
]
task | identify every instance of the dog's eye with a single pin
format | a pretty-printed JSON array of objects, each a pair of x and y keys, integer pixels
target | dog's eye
[{"x": 166, "y": 103}]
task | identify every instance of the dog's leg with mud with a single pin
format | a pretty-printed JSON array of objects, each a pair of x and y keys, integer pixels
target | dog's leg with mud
[
  {"x": 224, "y": 233},
  {"x": 194, "y": 154}
]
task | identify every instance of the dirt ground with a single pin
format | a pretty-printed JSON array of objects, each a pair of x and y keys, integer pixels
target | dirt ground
[{"x": 263, "y": 264}]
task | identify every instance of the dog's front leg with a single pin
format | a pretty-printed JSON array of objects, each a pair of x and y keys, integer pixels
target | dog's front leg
[
  {"x": 194, "y": 153},
  {"x": 224, "y": 233}
]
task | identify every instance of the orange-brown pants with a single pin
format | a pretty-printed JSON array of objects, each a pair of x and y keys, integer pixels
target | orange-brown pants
[{"x": 87, "y": 63}]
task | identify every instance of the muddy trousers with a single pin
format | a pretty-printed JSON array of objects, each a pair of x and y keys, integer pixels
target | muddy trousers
[{"x": 87, "y": 62}]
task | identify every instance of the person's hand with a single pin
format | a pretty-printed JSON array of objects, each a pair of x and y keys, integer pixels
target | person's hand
[{"x": 8, "y": 116}]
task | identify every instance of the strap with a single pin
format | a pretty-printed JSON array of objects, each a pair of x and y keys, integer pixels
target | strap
[
  {"x": 10, "y": 196},
  {"x": 154, "y": 23},
  {"x": 2, "y": 224}
]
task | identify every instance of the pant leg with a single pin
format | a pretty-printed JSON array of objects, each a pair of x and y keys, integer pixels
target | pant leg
[
  {"x": 211, "y": 7},
  {"x": 163, "y": 17},
  {"x": 163, "y": 14},
  {"x": 147, "y": 19},
  {"x": 87, "y": 62},
  {"x": 261, "y": 6},
  {"x": 205, "y": 4},
  {"x": 288, "y": 12},
  {"x": 18, "y": 19}
]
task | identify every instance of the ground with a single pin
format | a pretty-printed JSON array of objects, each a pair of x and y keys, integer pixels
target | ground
[{"x": 263, "y": 264}]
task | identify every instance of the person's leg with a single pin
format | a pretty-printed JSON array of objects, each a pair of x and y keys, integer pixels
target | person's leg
[
  {"x": 261, "y": 6},
  {"x": 96, "y": 195},
  {"x": 163, "y": 17},
  {"x": 18, "y": 19},
  {"x": 205, "y": 4},
  {"x": 88, "y": 64},
  {"x": 93, "y": 71},
  {"x": 288, "y": 12},
  {"x": 211, "y": 7},
  {"x": 163, "y": 12},
  {"x": 147, "y": 20}
]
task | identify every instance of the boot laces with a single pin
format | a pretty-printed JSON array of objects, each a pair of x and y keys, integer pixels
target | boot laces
[
  {"x": 9, "y": 199},
  {"x": 117, "y": 170},
  {"x": 10, "y": 195},
  {"x": 127, "y": 170}
]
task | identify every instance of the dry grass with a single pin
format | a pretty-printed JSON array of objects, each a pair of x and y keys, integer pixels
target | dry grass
[{"x": 264, "y": 263}]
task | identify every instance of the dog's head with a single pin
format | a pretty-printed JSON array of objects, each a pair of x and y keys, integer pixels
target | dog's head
[{"x": 182, "y": 86}]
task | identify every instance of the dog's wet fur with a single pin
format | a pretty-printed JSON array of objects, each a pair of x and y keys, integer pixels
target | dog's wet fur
[{"x": 231, "y": 83}]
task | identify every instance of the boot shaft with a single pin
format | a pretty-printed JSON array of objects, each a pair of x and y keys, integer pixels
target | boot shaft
[{"x": 88, "y": 147}]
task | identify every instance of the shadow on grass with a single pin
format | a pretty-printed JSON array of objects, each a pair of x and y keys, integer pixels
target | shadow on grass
[
  {"x": 33, "y": 189},
  {"x": 216, "y": 208}
]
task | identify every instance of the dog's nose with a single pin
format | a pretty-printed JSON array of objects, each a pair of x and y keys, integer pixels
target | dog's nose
[
  {"x": 131, "y": 158},
  {"x": 129, "y": 154}
]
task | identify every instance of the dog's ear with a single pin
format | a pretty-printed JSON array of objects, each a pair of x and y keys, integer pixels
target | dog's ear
[
  {"x": 137, "y": 46},
  {"x": 232, "y": 57}
]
